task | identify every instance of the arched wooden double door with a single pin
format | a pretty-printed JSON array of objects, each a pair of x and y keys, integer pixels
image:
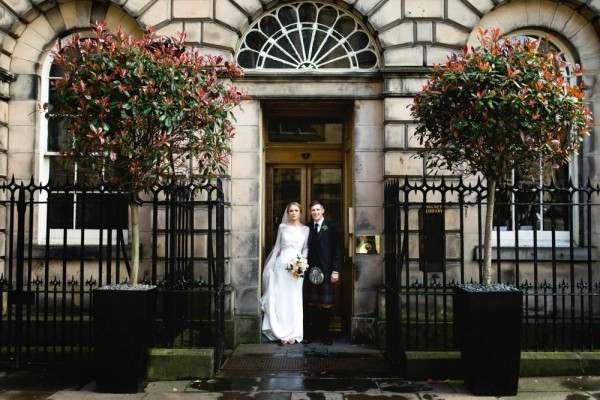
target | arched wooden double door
[{"x": 307, "y": 158}]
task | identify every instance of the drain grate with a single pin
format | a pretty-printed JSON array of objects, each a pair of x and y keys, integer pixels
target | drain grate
[
  {"x": 265, "y": 364},
  {"x": 304, "y": 363}
]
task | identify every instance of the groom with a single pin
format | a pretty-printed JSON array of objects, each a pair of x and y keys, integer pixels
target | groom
[{"x": 324, "y": 252}]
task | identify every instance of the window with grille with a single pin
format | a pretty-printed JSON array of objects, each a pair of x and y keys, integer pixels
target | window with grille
[
  {"x": 532, "y": 210},
  {"x": 66, "y": 210},
  {"x": 308, "y": 36}
]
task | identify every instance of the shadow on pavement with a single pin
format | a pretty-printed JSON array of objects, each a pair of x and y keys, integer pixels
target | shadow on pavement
[{"x": 39, "y": 383}]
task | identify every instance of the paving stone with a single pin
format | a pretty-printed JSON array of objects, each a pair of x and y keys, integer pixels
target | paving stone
[{"x": 338, "y": 372}]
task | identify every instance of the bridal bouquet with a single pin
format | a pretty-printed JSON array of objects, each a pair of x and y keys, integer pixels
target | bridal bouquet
[{"x": 297, "y": 266}]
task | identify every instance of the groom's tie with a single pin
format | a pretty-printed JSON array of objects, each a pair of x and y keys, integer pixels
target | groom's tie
[{"x": 316, "y": 227}]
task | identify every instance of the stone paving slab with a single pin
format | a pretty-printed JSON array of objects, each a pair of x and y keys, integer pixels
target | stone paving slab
[
  {"x": 305, "y": 384},
  {"x": 573, "y": 384},
  {"x": 554, "y": 388}
]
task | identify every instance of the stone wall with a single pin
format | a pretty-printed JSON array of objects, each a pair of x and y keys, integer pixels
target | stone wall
[{"x": 411, "y": 36}]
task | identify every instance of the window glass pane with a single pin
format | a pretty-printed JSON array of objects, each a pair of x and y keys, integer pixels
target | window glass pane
[
  {"x": 503, "y": 210},
  {"x": 92, "y": 211},
  {"x": 268, "y": 25},
  {"x": 305, "y": 130},
  {"x": 307, "y": 13},
  {"x": 293, "y": 45},
  {"x": 555, "y": 204},
  {"x": 60, "y": 210},
  {"x": 57, "y": 71},
  {"x": 533, "y": 209},
  {"x": 327, "y": 188},
  {"x": 358, "y": 40},
  {"x": 57, "y": 135},
  {"x": 59, "y": 175},
  {"x": 307, "y": 40},
  {"x": 526, "y": 202},
  {"x": 270, "y": 63},
  {"x": 328, "y": 16},
  {"x": 101, "y": 211},
  {"x": 367, "y": 58},
  {"x": 247, "y": 58},
  {"x": 346, "y": 26},
  {"x": 255, "y": 40},
  {"x": 286, "y": 188},
  {"x": 287, "y": 16},
  {"x": 336, "y": 57}
]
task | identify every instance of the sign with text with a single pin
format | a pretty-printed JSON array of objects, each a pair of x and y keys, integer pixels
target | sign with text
[{"x": 432, "y": 238}]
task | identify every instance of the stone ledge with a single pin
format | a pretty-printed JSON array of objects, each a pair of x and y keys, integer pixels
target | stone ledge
[
  {"x": 551, "y": 364},
  {"x": 422, "y": 365},
  {"x": 178, "y": 364},
  {"x": 591, "y": 362}
]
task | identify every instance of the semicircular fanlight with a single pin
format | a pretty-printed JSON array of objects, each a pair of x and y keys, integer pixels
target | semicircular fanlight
[{"x": 307, "y": 36}]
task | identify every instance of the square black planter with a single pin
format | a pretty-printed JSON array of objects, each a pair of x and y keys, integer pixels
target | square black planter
[
  {"x": 488, "y": 325},
  {"x": 123, "y": 333}
]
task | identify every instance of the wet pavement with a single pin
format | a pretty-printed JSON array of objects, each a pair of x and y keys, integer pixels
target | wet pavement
[
  {"x": 40, "y": 383},
  {"x": 292, "y": 372}
]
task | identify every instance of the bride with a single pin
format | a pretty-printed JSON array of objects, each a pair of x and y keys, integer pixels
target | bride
[{"x": 281, "y": 302}]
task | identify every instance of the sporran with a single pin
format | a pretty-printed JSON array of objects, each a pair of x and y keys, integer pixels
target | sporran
[{"x": 316, "y": 275}]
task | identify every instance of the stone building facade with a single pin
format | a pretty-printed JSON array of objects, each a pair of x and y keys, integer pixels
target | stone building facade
[{"x": 356, "y": 95}]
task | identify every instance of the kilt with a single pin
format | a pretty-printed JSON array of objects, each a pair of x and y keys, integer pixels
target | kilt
[{"x": 320, "y": 294}]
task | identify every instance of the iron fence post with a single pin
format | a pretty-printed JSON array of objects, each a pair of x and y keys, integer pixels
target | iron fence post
[
  {"x": 220, "y": 276},
  {"x": 20, "y": 278}
]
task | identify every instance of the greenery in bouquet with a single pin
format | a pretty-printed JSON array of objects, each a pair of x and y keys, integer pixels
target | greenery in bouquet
[{"x": 297, "y": 266}]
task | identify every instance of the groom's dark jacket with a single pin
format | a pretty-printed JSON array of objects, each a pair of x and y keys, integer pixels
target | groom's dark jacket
[{"x": 324, "y": 247}]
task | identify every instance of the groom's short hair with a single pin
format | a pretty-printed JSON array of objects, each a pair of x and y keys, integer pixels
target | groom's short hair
[{"x": 314, "y": 203}]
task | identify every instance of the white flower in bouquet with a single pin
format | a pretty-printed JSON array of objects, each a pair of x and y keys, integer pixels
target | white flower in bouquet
[{"x": 297, "y": 266}]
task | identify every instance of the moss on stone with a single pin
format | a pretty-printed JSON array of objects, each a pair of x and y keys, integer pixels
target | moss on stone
[{"x": 177, "y": 364}]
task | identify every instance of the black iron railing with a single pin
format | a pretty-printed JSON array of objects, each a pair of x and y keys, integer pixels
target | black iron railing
[
  {"x": 60, "y": 243},
  {"x": 545, "y": 242}
]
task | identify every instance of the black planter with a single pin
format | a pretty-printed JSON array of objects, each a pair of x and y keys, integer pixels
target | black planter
[
  {"x": 123, "y": 332},
  {"x": 488, "y": 325}
]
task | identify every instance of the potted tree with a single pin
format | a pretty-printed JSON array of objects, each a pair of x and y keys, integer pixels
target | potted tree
[
  {"x": 491, "y": 109},
  {"x": 138, "y": 112}
]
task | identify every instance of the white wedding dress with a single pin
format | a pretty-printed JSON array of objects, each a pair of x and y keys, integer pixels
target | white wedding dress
[{"x": 281, "y": 302}]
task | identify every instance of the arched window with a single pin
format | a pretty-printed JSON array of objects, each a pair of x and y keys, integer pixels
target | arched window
[
  {"x": 65, "y": 212},
  {"x": 530, "y": 211},
  {"x": 307, "y": 36}
]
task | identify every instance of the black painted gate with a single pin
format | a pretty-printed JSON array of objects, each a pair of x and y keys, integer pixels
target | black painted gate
[
  {"x": 554, "y": 261},
  {"x": 48, "y": 277}
]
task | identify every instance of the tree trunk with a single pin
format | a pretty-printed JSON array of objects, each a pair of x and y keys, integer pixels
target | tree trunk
[
  {"x": 486, "y": 271},
  {"x": 135, "y": 243}
]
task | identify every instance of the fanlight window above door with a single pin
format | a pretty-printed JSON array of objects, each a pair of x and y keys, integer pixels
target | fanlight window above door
[{"x": 307, "y": 36}]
